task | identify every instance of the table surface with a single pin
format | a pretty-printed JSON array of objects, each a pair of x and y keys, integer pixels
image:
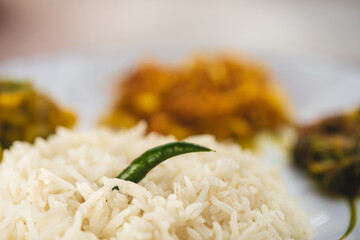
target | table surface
[{"x": 327, "y": 28}]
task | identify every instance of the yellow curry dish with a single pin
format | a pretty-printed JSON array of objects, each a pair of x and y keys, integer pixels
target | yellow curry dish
[
  {"x": 229, "y": 97},
  {"x": 26, "y": 113}
]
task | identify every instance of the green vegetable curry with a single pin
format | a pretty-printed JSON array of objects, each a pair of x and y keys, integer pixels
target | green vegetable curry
[
  {"x": 329, "y": 151},
  {"x": 26, "y": 114}
]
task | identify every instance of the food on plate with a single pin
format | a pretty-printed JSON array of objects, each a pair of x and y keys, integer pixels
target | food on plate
[
  {"x": 329, "y": 151},
  {"x": 26, "y": 113},
  {"x": 228, "y": 97},
  {"x": 62, "y": 187}
]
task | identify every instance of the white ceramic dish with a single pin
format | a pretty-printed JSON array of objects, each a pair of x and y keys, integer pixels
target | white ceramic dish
[{"x": 316, "y": 87}]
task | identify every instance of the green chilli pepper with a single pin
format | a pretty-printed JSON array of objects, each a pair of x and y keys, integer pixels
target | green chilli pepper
[
  {"x": 138, "y": 169},
  {"x": 353, "y": 218}
]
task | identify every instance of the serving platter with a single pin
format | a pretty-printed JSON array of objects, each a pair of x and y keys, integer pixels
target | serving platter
[{"x": 316, "y": 86}]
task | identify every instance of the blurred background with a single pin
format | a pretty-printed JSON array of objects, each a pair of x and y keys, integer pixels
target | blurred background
[
  {"x": 76, "y": 50},
  {"x": 327, "y": 28}
]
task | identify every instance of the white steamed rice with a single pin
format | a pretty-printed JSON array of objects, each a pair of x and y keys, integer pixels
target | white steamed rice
[{"x": 61, "y": 189}]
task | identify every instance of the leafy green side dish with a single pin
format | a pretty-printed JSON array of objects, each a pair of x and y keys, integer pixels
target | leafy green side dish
[{"x": 329, "y": 151}]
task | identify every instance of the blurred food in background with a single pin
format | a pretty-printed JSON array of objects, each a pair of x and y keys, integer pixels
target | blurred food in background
[
  {"x": 329, "y": 151},
  {"x": 27, "y": 113},
  {"x": 227, "y": 96}
]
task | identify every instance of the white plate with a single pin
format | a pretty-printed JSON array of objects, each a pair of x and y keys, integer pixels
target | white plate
[{"x": 316, "y": 87}]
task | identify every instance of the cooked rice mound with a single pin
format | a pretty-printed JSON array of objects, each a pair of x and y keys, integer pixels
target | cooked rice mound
[{"x": 62, "y": 189}]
